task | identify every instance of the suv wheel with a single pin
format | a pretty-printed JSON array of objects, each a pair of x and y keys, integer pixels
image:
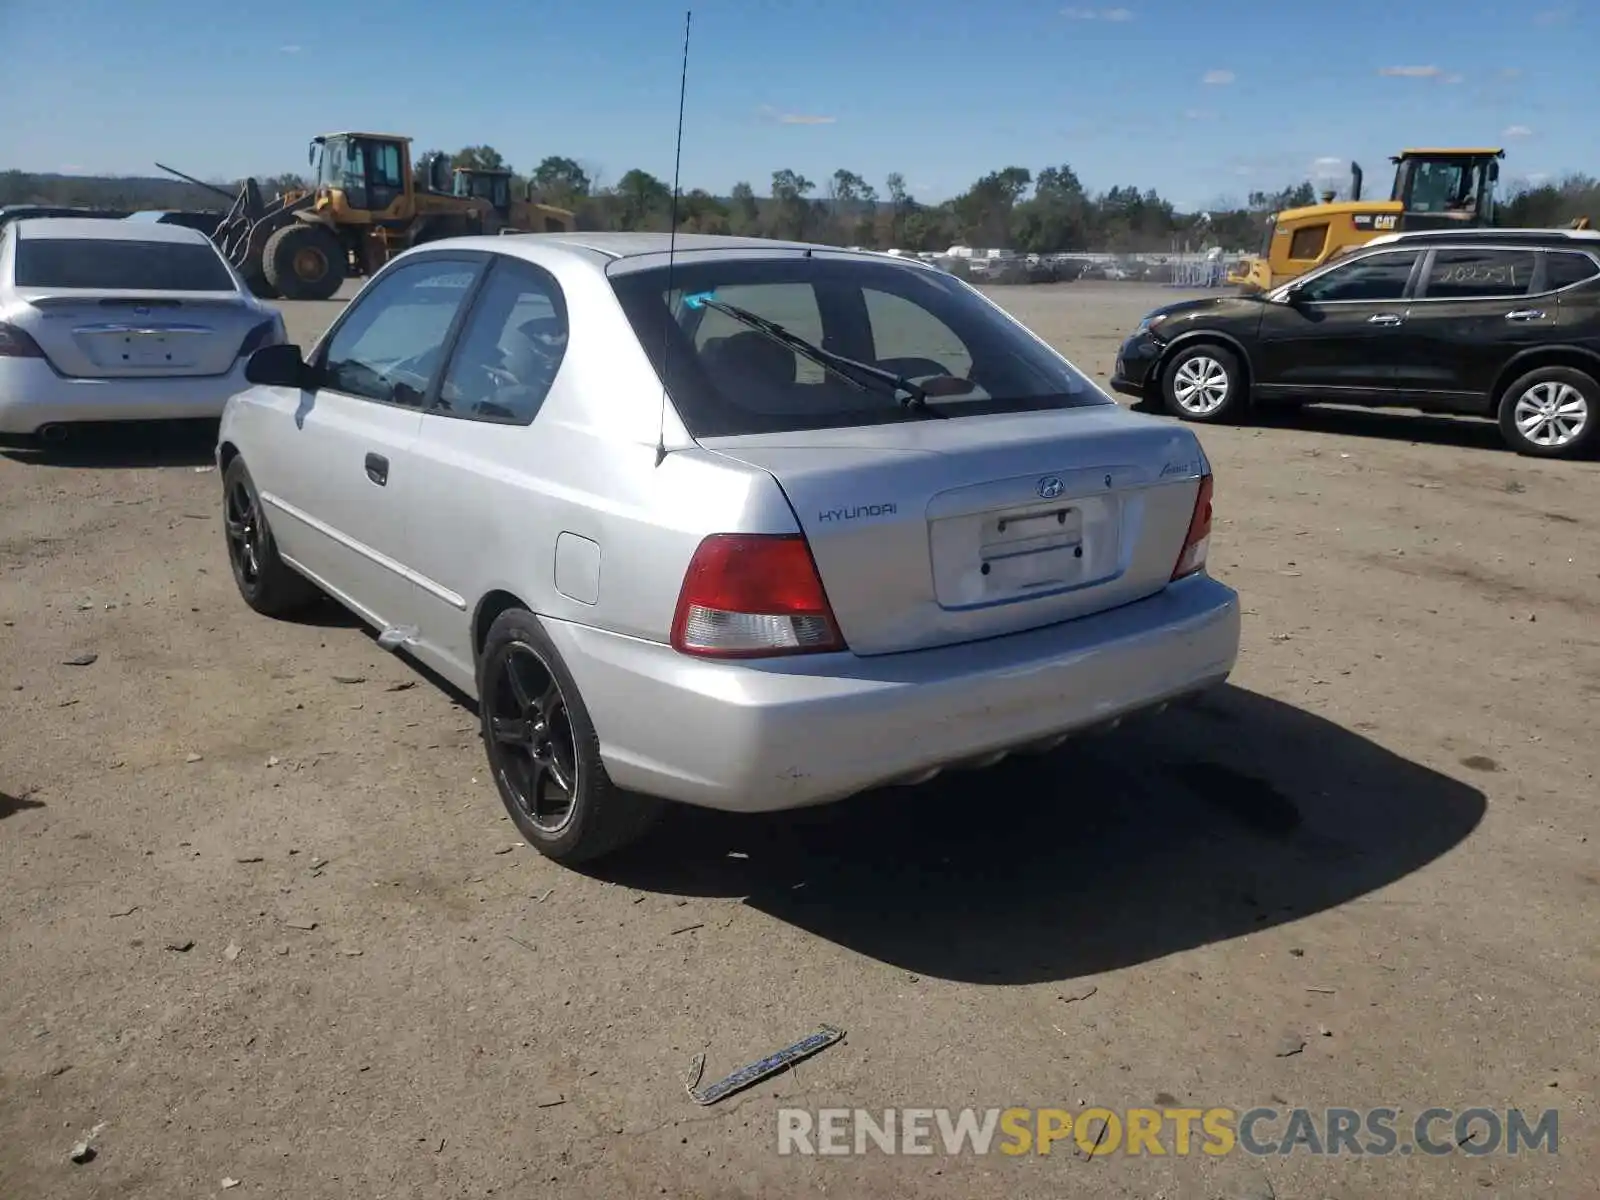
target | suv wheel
[
  {"x": 1203, "y": 383},
  {"x": 1551, "y": 412}
]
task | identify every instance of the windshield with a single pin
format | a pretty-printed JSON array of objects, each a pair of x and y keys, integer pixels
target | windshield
[
  {"x": 106, "y": 264},
  {"x": 726, "y": 378}
]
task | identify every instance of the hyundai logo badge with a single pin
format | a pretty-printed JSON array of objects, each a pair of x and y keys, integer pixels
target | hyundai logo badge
[{"x": 1050, "y": 487}]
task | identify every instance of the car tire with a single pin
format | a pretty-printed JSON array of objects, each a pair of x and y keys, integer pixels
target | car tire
[
  {"x": 1525, "y": 409},
  {"x": 303, "y": 261},
  {"x": 267, "y": 583},
  {"x": 1204, "y": 383},
  {"x": 543, "y": 751}
]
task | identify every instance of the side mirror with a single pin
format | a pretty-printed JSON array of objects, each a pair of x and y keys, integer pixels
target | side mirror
[
  {"x": 278, "y": 366},
  {"x": 1295, "y": 294}
]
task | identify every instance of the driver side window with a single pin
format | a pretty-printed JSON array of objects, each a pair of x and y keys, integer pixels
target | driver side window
[
  {"x": 1380, "y": 277},
  {"x": 389, "y": 346}
]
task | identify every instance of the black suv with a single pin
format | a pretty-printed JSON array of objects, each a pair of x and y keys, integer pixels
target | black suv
[{"x": 1499, "y": 323}]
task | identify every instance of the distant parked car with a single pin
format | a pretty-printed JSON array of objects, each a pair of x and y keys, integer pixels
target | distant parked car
[
  {"x": 117, "y": 321},
  {"x": 1496, "y": 323},
  {"x": 677, "y": 548}
]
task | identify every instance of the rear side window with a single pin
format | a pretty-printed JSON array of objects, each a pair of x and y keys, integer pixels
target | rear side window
[
  {"x": 1480, "y": 274},
  {"x": 1564, "y": 268},
  {"x": 107, "y": 265},
  {"x": 726, "y": 378},
  {"x": 510, "y": 349}
]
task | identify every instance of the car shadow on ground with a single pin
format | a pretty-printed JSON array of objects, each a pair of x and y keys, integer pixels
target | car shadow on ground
[
  {"x": 1230, "y": 814},
  {"x": 123, "y": 445},
  {"x": 10, "y": 804},
  {"x": 1389, "y": 425}
]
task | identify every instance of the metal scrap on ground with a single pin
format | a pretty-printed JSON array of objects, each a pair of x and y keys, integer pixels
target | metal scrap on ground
[{"x": 824, "y": 1037}]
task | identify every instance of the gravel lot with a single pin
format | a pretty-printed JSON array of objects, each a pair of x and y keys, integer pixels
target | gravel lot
[{"x": 266, "y": 923}]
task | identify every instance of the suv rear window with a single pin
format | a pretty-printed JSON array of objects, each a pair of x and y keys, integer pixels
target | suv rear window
[
  {"x": 727, "y": 379},
  {"x": 104, "y": 265}
]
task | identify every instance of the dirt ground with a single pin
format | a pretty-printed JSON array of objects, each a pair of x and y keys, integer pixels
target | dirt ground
[{"x": 265, "y": 922}]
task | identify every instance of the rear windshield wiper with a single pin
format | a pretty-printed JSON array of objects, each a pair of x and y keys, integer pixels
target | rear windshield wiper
[{"x": 852, "y": 371}]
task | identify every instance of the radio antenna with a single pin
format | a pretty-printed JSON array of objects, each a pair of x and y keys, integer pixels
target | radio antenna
[{"x": 672, "y": 246}]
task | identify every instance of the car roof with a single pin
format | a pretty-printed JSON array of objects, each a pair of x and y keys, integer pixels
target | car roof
[
  {"x": 599, "y": 249},
  {"x": 1537, "y": 237},
  {"x": 96, "y": 229}
]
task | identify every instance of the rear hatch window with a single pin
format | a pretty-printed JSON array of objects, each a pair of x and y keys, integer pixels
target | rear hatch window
[
  {"x": 727, "y": 379},
  {"x": 107, "y": 265}
]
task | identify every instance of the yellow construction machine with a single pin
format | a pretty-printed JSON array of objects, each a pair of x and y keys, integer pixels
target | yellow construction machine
[
  {"x": 1433, "y": 189},
  {"x": 363, "y": 207},
  {"x": 517, "y": 214}
]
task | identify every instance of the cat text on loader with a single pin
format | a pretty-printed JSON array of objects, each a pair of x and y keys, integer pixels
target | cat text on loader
[
  {"x": 521, "y": 214},
  {"x": 1433, "y": 189},
  {"x": 362, "y": 208}
]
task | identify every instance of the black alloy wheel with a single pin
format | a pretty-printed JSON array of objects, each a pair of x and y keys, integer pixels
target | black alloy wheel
[{"x": 530, "y": 740}]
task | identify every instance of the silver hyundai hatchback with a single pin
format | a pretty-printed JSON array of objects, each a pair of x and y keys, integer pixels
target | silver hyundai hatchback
[{"x": 731, "y": 522}]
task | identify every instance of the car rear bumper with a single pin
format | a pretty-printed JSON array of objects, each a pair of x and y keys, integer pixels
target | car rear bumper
[
  {"x": 32, "y": 395},
  {"x": 789, "y": 733}
]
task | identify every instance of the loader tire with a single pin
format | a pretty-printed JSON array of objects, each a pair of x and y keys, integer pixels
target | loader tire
[
  {"x": 304, "y": 262},
  {"x": 256, "y": 281}
]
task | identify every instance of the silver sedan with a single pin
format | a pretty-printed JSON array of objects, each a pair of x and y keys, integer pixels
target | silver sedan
[
  {"x": 735, "y": 523},
  {"x": 119, "y": 321}
]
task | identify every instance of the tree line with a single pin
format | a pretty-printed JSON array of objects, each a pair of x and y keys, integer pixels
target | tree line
[{"x": 1017, "y": 208}]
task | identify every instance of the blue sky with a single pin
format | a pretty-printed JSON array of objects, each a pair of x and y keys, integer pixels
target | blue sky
[{"x": 1198, "y": 100}]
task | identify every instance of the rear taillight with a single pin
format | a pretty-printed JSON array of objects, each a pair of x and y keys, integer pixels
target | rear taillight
[
  {"x": 1198, "y": 540},
  {"x": 752, "y": 595},
  {"x": 16, "y": 344},
  {"x": 268, "y": 333}
]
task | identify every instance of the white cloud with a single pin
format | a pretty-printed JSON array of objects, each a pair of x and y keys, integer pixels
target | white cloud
[
  {"x": 1453, "y": 79},
  {"x": 1411, "y": 72},
  {"x": 1538, "y": 178},
  {"x": 1510, "y": 72},
  {"x": 1552, "y": 16},
  {"x": 783, "y": 118},
  {"x": 1326, "y": 162},
  {"x": 1118, "y": 14},
  {"x": 1104, "y": 14},
  {"x": 289, "y": 49},
  {"x": 1217, "y": 78},
  {"x": 1200, "y": 114},
  {"x": 1517, "y": 131}
]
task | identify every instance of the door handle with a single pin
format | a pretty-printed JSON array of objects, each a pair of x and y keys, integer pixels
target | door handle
[
  {"x": 1525, "y": 314},
  {"x": 378, "y": 469},
  {"x": 1383, "y": 319}
]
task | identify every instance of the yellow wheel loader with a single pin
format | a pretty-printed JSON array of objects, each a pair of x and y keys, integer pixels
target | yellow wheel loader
[
  {"x": 1433, "y": 189},
  {"x": 362, "y": 209},
  {"x": 520, "y": 214}
]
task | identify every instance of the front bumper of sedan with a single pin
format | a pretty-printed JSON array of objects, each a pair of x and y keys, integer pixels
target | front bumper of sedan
[{"x": 787, "y": 733}]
